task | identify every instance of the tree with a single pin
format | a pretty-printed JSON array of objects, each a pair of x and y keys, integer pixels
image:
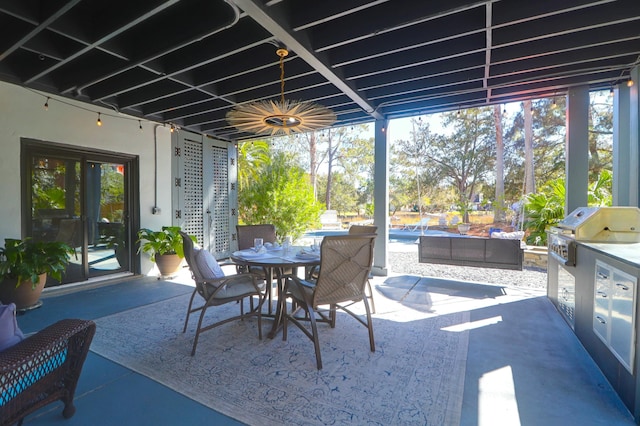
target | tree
[
  {"x": 600, "y": 134},
  {"x": 413, "y": 170},
  {"x": 529, "y": 177},
  {"x": 252, "y": 157},
  {"x": 344, "y": 197},
  {"x": 549, "y": 132},
  {"x": 466, "y": 156},
  {"x": 498, "y": 205},
  {"x": 340, "y": 149},
  {"x": 282, "y": 195}
]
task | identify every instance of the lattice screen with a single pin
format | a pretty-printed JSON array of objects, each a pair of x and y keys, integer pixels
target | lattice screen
[
  {"x": 218, "y": 194},
  {"x": 192, "y": 186}
]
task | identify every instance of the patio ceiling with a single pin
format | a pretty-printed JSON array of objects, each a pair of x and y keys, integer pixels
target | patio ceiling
[{"x": 188, "y": 62}]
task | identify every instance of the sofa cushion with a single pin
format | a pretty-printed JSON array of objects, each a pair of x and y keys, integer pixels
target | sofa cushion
[
  {"x": 208, "y": 265},
  {"x": 10, "y": 333}
]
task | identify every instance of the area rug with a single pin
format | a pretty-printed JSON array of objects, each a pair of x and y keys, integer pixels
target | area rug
[{"x": 415, "y": 376}]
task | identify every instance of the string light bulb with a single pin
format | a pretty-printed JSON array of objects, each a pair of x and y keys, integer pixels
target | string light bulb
[
  {"x": 99, "y": 122},
  {"x": 46, "y": 104},
  {"x": 140, "y": 125},
  {"x": 629, "y": 83},
  {"x": 172, "y": 128}
]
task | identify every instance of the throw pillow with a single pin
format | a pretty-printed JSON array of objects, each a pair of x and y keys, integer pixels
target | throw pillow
[
  {"x": 10, "y": 333},
  {"x": 208, "y": 265}
]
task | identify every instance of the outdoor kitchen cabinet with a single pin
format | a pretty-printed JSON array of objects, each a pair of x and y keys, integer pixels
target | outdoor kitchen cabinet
[
  {"x": 613, "y": 311},
  {"x": 593, "y": 272}
]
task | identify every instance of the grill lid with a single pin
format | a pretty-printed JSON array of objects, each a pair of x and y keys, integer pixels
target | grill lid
[{"x": 608, "y": 224}]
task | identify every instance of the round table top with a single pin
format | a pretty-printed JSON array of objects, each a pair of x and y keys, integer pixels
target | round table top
[{"x": 296, "y": 256}]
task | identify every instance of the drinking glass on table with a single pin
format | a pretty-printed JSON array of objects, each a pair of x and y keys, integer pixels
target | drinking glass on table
[
  {"x": 258, "y": 243},
  {"x": 316, "y": 244},
  {"x": 286, "y": 245}
]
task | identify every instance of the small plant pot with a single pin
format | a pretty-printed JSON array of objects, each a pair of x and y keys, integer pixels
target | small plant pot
[
  {"x": 168, "y": 264},
  {"x": 463, "y": 228}
]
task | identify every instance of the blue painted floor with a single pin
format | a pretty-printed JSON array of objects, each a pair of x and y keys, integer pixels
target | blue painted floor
[
  {"x": 107, "y": 393},
  {"x": 524, "y": 365}
]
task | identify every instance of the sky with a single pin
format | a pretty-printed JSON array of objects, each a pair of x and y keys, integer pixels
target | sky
[{"x": 400, "y": 128}]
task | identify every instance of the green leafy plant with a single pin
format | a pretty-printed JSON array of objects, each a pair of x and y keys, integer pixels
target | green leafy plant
[
  {"x": 27, "y": 259},
  {"x": 543, "y": 210},
  {"x": 166, "y": 241},
  {"x": 546, "y": 208},
  {"x": 281, "y": 195}
]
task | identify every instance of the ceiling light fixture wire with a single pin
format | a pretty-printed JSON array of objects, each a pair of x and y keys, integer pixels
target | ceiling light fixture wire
[{"x": 283, "y": 117}]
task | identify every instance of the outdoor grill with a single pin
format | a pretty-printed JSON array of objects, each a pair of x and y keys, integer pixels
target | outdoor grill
[{"x": 593, "y": 224}]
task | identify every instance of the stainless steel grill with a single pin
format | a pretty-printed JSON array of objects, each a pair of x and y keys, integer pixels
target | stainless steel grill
[{"x": 593, "y": 224}]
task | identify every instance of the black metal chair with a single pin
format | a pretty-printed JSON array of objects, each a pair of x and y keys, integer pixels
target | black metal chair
[{"x": 246, "y": 234}]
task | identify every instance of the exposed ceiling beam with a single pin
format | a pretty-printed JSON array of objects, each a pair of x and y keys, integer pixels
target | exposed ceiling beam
[{"x": 279, "y": 28}]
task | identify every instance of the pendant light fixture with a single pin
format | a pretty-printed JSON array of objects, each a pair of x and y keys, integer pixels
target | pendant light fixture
[{"x": 280, "y": 117}]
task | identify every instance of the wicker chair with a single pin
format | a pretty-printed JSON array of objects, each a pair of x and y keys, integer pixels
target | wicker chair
[
  {"x": 43, "y": 368},
  {"x": 366, "y": 229},
  {"x": 219, "y": 291},
  {"x": 354, "y": 229},
  {"x": 345, "y": 263}
]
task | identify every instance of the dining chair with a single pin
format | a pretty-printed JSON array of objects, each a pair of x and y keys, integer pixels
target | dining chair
[
  {"x": 218, "y": 289},
  {"x": 366, "y": 229},
  {"x": 345, "y": 263},
  {"x": 355, "y": 229},
  {"x": 245, "y": 235}
]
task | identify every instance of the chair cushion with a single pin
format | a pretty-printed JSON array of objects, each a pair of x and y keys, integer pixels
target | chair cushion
[
  {"x": 208, "y": 265},
  {"x": 10, "y": 333}
]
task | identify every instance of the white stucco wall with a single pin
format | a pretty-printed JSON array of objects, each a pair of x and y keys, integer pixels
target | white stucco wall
[{"x": 22, "y": 115}]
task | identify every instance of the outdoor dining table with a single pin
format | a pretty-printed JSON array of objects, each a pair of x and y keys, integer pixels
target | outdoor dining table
[{"x": 275, "y": 262}]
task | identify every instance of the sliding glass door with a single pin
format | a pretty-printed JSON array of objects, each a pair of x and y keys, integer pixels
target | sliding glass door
[{"x": 83, "y": 199}]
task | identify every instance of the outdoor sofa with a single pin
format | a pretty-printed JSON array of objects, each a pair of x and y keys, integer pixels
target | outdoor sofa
[{"x": 43, "y": 368}]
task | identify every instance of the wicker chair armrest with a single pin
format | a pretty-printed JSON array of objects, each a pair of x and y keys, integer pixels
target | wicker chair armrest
[
  {"x": 300, "y": 281},
  {"x": 72, "y": 333}
]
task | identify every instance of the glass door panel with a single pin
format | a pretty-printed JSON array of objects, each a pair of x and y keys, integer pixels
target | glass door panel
[
  {"x": 81, "y": 199},
  {"x": 56, "y": 208},
  {"x": 107, "y": 218}
]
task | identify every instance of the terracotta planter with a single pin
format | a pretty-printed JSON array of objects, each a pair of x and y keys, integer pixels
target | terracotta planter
[
  {"x": 168, "y": 264},
  {"x": 24, "y": 296}
]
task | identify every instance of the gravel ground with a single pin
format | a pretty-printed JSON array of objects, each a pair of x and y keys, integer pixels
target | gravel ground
[{"x": 403, "y": 259}]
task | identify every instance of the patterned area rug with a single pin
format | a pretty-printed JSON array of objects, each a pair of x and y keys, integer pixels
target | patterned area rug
[{"x": 415, "y": 376}]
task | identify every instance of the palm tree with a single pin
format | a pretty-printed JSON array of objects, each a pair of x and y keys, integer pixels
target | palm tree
[{"x": 252, "y": 157}]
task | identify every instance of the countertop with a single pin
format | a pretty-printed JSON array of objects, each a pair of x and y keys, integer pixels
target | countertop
[{"x": 624, "y": 252}]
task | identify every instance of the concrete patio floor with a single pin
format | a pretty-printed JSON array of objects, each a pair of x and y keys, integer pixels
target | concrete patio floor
[{"x": 524, "y": 366}]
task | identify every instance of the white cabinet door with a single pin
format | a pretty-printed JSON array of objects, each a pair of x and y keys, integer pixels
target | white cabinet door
[
  {"x": 613, "y": 311},
  {"x": 622, "y": 308}
]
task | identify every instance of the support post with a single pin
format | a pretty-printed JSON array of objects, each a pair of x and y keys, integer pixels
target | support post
[{"x": 381, "y": 198}]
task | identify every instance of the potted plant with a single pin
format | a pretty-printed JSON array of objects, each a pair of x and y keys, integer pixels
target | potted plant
[
  {"x": 164, "y": 247},
  {"x": 24, "y": 266},
  {"x": 463, "y": 208}
]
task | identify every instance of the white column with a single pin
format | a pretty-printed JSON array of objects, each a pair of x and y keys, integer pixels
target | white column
[
  {"x": 577, "y": 148},
  {"x": 621, "y": 148},
  {"x": 634, "y": 139},
  {"x": 381, "y": 198}
]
